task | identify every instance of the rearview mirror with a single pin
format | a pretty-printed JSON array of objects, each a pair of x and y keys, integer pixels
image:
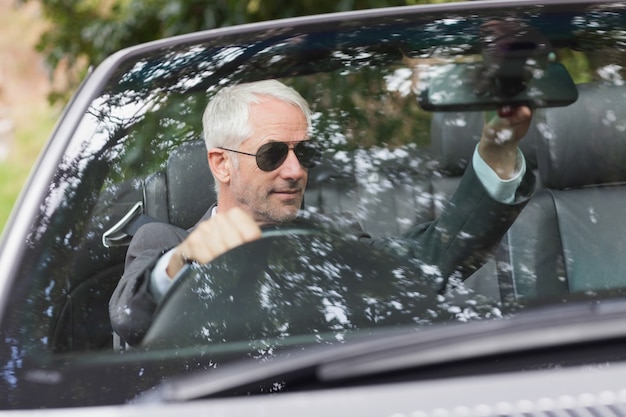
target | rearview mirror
[{"x": 464, "y": 87}]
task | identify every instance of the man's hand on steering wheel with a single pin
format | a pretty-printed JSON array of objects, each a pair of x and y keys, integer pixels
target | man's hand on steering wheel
[{"x": 213, "y": 237}]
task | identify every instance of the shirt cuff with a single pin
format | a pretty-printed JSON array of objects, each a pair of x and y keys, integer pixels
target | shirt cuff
[
  {"x": 160, "y": 282},
  {"x": 500, "y": 190}
]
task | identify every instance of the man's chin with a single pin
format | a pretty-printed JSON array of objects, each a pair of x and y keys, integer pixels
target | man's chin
[
  {"x": 279, "y": 215},
  {"x": 288, "y": 215}
]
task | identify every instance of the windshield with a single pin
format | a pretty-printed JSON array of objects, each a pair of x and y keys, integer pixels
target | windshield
[{"x": 396, "y": 138}]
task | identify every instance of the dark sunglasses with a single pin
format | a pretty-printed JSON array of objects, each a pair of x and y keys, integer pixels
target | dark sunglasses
[{"x": 272, "y": 155}]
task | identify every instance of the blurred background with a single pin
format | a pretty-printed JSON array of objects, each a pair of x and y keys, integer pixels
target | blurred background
[{"x": 47, "y": 47}]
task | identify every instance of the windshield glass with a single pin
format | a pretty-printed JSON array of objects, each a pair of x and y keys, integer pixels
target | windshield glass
[{"x": 393, "y": 231}]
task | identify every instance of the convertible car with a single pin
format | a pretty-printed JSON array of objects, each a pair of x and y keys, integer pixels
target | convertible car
[{"x": 304, "y": 321}]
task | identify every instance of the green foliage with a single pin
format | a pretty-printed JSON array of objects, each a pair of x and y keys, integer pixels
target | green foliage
[
  {"x": 84, "y": 32},
  {"x": 577, "y": 64}
]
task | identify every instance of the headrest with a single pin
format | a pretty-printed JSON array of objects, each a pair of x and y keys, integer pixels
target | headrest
[
  {"x": 454, "y": 135},
  {"x": 190, "y": 184},
  {"x": 585, "y": 142}
]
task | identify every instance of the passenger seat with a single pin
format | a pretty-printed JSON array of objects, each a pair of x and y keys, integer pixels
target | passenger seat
[{"x": 572, "y": 235}]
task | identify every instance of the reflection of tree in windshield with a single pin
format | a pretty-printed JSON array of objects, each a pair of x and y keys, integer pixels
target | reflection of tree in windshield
[{"x": 154, "y": 102}]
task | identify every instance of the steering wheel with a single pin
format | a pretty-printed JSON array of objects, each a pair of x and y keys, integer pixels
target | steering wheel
[{"x": 299, "y": 279}]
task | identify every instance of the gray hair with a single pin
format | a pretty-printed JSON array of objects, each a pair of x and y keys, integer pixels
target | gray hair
[{"x": 226, "y": 118}]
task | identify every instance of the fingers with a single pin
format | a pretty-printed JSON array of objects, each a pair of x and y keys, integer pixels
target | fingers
[
  {"x": 500, "y": 138},
  {"x": 246, "y": 226},
  {"x": 505, "y": 111},
  {"x": 213, "y": 237},
  {"x": 508, "y": 126},
  {"x": 221, "y": 233},
  {"x": 516, "y": 115},
  {"x": 508, "y": 116}
]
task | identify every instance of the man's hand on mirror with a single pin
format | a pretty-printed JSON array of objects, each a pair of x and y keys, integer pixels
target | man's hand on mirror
[{"x": 501, "y": 135}]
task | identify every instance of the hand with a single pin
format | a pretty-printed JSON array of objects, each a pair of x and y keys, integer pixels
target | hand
[
  {"x": 501, "y": 135},
  {"x": 213, "y": 237}
]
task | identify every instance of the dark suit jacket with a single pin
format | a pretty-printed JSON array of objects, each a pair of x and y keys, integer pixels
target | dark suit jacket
[{"x": 457, "y": 243}]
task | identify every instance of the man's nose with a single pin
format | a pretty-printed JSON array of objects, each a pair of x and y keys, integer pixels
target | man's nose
[{"x": 291, "y": 168}]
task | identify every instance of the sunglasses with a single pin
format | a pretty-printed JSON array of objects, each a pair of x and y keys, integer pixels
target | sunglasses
[{"x": 272, "y": 155}]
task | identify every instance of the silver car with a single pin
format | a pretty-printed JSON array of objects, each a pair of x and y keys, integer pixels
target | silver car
[{"x": 308, "y": 320}]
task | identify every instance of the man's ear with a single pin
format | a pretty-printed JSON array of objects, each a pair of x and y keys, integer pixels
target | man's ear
[{"x": 220, "y": 164}]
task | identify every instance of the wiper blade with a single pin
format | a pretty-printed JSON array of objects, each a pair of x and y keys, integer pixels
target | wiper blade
[{"x": 398, "y": 351}]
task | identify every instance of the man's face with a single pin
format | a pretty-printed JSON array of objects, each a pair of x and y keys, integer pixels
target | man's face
[{"x": 275, "y": 196}]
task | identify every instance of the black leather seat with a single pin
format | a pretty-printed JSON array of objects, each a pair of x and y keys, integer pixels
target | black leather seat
[
  {"x": 573, "y": 236},
  {"x": 183, "y": 192}
]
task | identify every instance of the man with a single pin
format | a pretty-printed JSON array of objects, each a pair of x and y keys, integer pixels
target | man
[{"x": 258, "y": 152}]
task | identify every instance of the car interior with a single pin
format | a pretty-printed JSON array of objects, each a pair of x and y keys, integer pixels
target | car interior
[{"x": 574, "y": 178}]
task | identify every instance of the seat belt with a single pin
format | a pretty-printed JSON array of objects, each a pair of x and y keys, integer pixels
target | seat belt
[{"x": 122, "y": 232}]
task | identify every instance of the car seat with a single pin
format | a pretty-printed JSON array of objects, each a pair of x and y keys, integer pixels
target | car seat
[{"x": 573, "y": 237}]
